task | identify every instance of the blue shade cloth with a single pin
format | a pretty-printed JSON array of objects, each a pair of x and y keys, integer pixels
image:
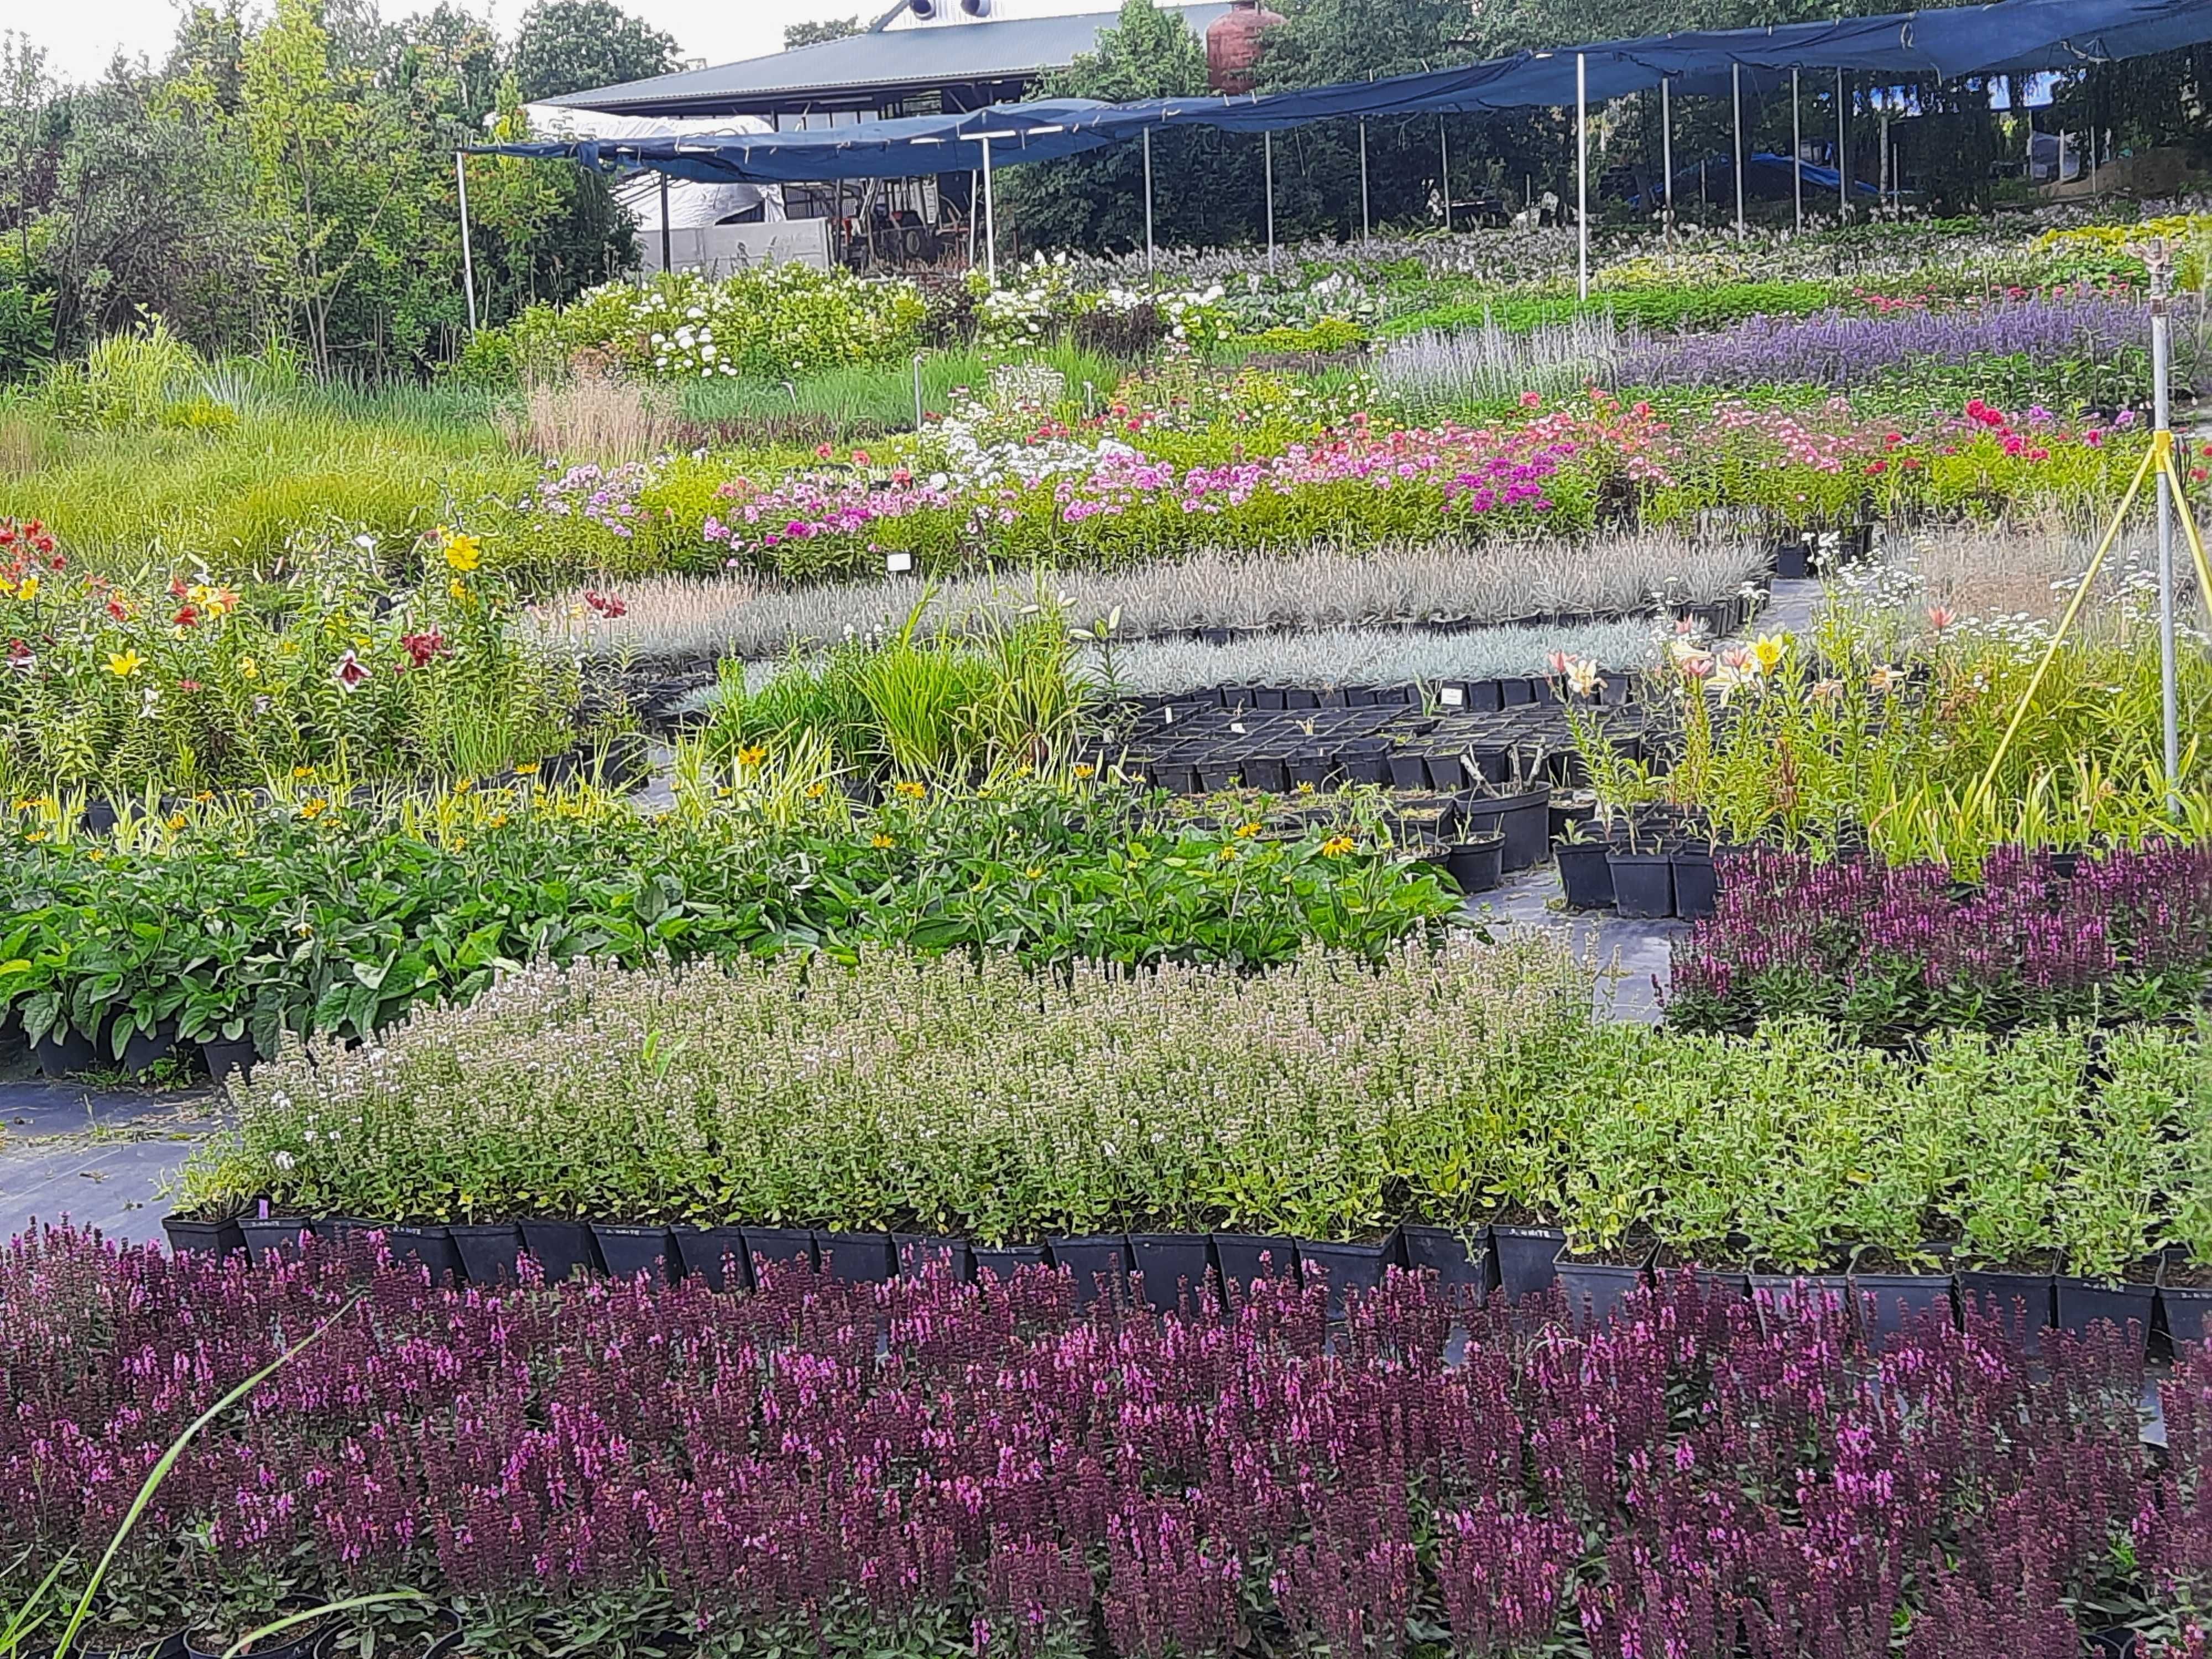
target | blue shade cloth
[{"x": 2007, "y": 37}]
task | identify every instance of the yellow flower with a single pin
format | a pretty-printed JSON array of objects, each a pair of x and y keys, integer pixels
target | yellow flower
[
  {"x": 1227, "y": 855},
  {"x": 1032, "y": 873},
  {"x": 28, "y": 589},
  {"x": 249, "y": 669},
  {"x": 908, "y": 787},
  {"x": 36, "y": 836},
  {"x": 458, "y": 589},
  {"x": 525, "y": 769},
  {"x": 464, "y": 786},
  {"x": 124, "y": 664},
  {"x": 176, "y": 820},
  {"x": 7, "y": 586},
  {"x": 1767, "y": 651},
  {"x": 1336, "y": 847},
  {"x": 313, "y": 809},
  {"x": 1085, "y": 771},
  {"x": 815, "y": 791},
  {"x": 1246, "y": 831},
  {"x": 499, "y": 820},
  {"x": 97, "y": 854},
  {"x": 462, "y": 552},
  {"x": 881, "y": 840},
  {"x": 303, "y": 771},
  {"x": 752, "y": 754}
]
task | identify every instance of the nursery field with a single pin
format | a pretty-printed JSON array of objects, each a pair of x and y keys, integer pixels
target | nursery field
[{"x": 844, "y": 942}]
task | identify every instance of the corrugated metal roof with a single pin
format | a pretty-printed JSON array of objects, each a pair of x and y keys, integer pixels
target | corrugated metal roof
[{"x": 888, "y": 60}]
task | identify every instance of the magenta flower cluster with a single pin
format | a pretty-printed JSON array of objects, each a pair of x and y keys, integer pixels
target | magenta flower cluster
[
  {"x": 999, "y": 1469},
  {"x": 2128, "y": 934}
]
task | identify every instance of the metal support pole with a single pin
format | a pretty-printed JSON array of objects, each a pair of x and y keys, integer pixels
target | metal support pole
[
  {"x": 1667, "y": 154},
  {"x": 1443, "y": 183},
  {"x": 1881, "y": 192},
  {"x": 1366, "y": 220},
  {"x": 2161, "y": 359},
  {"x": 1797, "y": 151},
  {"x": 975, "y": 200},
  {"x": 1581, "y": 175},
  {"x": 991, "y": 218},
  {"x": 1267, "y": 154},
  {"x": 1151, "y": 259},
  {"x": 666, "y": 262},
  {"x": 468, "y": 264},
  {"x": 1843, "y": 153},
  {"x": 1735, "y": 78}
]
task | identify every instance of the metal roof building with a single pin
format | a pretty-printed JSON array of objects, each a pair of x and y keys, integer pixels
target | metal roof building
[{"x": 901, "y": 66}]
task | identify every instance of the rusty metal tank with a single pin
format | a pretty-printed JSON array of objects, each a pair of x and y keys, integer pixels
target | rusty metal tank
[{"x": 1232, "y": 45}]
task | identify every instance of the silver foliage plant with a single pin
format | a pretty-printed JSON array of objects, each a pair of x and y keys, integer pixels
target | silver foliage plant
[{"x": 1320, "y": 587}]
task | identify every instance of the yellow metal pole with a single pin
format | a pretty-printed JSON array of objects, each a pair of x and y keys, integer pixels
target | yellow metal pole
[{"x": 2160, "y": 446}]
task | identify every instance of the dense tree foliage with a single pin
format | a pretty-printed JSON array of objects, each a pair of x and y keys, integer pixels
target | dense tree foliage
[
  {"x": 288, "y": 177},
  {"x": 796, "y": 36}
]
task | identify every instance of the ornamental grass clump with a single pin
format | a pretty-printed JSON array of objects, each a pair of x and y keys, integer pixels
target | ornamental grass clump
[
  {"x": 1885, "y": 948},
  {"x": 927, "y": 1465},
  {"x": 947, "y": 1095}
]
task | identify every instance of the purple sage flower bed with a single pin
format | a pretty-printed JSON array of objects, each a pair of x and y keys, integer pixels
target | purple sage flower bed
[
  {"x": 1845, "y": 348},
  {"x": 1890, "y": 948},
  {"x": 932, "y": 1467}
]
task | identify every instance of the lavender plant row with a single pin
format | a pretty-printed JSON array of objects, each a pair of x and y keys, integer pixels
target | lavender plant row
[
  {"x": 1883, "y": 948},
  {"x": 929, "y": 1466},
  {"x": 1839, "y": 348}
]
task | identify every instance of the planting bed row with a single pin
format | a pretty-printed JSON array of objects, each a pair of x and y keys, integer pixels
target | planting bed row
[
  {"x": 822, "y": 1467},
  {"x": 1171, "y": 1270}
]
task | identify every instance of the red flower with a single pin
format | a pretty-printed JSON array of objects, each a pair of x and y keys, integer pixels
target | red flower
[
  {"x": 188, "y": 685},
  {"x": 605, "y": 604},
  {"x": 189, "y": 617},
  {"x": 349, "y": 672},
  {"x": 422, "y": 647},
  {"x": 115, "y": 610}
]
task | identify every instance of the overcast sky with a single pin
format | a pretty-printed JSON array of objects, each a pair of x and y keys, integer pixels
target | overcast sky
[{"x": 80, "y": 37}]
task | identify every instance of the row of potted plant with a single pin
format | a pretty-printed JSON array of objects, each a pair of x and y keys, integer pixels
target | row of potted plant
[
  {"x": 1883, "y": 949},
  {"x": 1327, "y": 1101},
  {"x": 619, "y": 1467},
  {"x": 229, "y": 924}
]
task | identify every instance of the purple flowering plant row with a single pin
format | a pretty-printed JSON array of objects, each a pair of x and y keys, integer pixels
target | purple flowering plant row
[
  {"x": 925, "y": 1466},
  {"x": 1883, "y": 948}
]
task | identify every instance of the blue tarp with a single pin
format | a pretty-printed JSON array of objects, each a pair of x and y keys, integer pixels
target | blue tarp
[
  {"x": 2005, "y": 37},
  {"x": 1765, "y": 171}
]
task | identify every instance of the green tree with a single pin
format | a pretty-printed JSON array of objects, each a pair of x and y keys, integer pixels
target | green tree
[
  {"x": 796, "y": 36},
  {"x": 1207, "y": 183},
  {"x": 570, "y": 46}
]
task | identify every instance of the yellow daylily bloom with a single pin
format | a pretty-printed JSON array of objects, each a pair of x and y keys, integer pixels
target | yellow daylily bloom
[
  {"x": 124, "y": 664},
  {"x": 1768, "y": 650},
  {"x": 463, "y": 552}
]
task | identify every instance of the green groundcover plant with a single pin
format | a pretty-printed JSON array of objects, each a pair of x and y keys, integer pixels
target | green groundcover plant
[
  {"x": 315, "y": 915},
  {"x": 1330, "y": 1097}
]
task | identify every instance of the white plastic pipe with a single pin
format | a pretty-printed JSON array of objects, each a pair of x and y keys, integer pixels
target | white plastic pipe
[
  {"x": 1150, "y": 259},
  {"x": 1267, "y": 153},
  {"x": 1366, "y": 220},
  {"x": 1736, "y": 79},
  {"x": 468, "y": 264},
  {"x": 1797, "y": 151},
  {"x": 1581, "y": 175},
  {"x": 991, "y": 218}
]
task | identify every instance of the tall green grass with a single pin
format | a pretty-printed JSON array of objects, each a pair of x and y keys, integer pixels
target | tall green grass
[{"x": 861, "y": 398}]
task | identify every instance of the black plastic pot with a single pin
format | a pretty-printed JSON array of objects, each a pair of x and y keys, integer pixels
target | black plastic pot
[
  {"x": 296, "y": 1644},
  {"x": 785, "y": 1249},
  {"x": 157, "y": 1647},
  {"x": 717, "y": 1255},
  {"x": 1643, "y": 883},
  {"x": 1595, "y": 1290},
  {"x": 144, "y": 1050},
  {"x": 215, "y": 1237},
  {"x": 1177, "y": 1269},
  {"x": 1098, "y": 1265},
  {"x": 431, "y": 1246},
  {"x": 1478, "y": 863},
  {"x": 225, "y": 1056},
  {"x": 562, "y": 1249},
  {"x": 1566, "y": 810},
  {"x": 1585, "y": 875},
  {"x": 66, "y": 1054},
  {"x": 1524, "y": 819},
  {"x": 2186, "y": 1309},
  {"x": 1785, "y": 1296},
  {"x": 268, "y": 1238},
  {"x": 916, "y": 1253},
  {"x": 1790, "y": 564},
  {"x": 488, "y": 1249},
  {"x": 2021, "y": 1300},
  {"x": 1407, "y": 771},
  {"x": 1268, "y": 772},
  {"x": 1524, "y": 1260},
  {"x": 327, "y": 1647},
  {"x": 855, "y": 1258},
  {"x": 1515, "y": 692},
  {"x": 1891, "y": 1305},
  {"x": 1003, "y": 1261},
  {"x": 629, "y": 1251},
  {"x": 1243, "y": 1257},
  {"x": 1697, "y": 890},
  {"x": 2083, "y": 1302},
  {"x": 1459, "y": 1261},
  {"x": 1346, "y": 1268}
]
